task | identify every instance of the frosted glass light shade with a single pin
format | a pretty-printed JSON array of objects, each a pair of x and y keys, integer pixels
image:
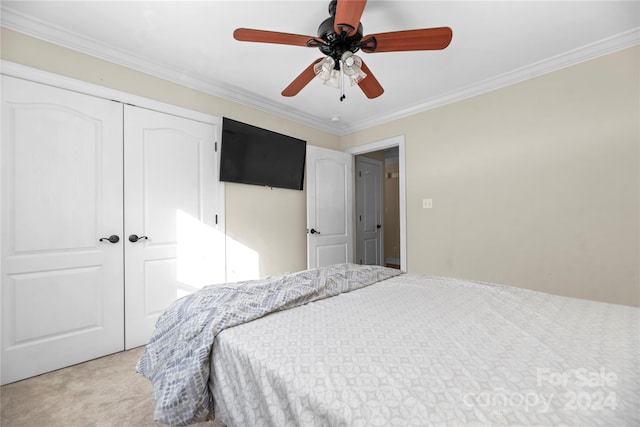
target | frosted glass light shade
[
  {"x": 324, "y": 68},
  {"x": 351, "y": 65},
  {"x": 334, "y": 80}
]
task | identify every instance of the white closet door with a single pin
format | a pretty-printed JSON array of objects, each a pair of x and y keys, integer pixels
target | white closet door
[
  {"x": 62, "y": 288},
  {"x": 170, "y": 199}
]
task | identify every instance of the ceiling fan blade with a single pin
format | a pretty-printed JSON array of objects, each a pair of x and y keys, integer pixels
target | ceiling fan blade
[
  {"x": 348, "y": 14},
  {"x": 301, "y": 81},
  {"x": 396, "y": 41},
  {"x": 263, "y": 36},
  {"x": 370, "y": 85}
]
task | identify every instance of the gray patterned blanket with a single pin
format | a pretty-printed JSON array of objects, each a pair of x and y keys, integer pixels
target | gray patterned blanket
[{"x": 176, "y": 359}]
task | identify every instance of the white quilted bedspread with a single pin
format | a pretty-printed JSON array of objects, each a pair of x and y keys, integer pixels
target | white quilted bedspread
[
  {"x": 426, "y": 351},
  {"x": 176, "y": 359}
]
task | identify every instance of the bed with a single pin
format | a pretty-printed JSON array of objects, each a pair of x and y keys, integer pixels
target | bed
[{"x": 398, "y": 350}]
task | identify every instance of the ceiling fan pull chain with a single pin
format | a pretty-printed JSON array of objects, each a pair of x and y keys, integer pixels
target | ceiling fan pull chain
[{"x": 342, "y": 95}]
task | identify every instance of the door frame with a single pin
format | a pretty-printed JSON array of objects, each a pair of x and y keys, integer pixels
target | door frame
[{"x": 396, "y": 141}]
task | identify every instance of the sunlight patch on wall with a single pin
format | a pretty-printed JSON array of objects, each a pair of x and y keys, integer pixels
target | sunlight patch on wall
[
  {"x": 201, "y": 256},
  {"x": 243, "y": 263}
]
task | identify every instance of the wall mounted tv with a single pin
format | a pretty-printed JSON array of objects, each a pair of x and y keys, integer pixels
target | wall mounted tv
[{"x": 252, "y": 155}]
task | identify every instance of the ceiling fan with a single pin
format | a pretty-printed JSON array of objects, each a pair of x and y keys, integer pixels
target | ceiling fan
[{"x": 339, "y": 37}]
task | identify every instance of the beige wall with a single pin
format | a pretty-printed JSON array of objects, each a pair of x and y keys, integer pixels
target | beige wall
[
  {"x": 269, "y": 222},
  {"x": 534, "y": 185}
]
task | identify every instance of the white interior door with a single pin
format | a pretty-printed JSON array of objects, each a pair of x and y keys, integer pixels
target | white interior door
[
  {"x": 62, "y": 288},
  {"x": 369, "y": 201},
  {"x": 329, "y": 207},
  {"x": 170, "y": 205}
]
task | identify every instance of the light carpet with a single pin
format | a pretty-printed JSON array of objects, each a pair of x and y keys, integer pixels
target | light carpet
[{"x": 103, "y": 392}]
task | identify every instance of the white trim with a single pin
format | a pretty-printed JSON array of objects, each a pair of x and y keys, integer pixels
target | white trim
[
  {"x": 573, "y": 57},
  {"x": 220, "y": 201},
  {"x": 39, "y": 76},
  {"x": 65, "y": 38},
  {"x": 396, "y": 141}
]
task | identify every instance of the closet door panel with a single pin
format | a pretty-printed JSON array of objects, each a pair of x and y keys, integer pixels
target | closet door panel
[
  {"x": 170, "y": 199},
  {"x": 61, "y": 171},
  {"x": 62, "y": 288},
  {"x": 171, "y": 164}
]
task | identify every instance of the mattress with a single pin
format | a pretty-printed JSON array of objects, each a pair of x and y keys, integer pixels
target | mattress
[{"x": 429, "y": 351}]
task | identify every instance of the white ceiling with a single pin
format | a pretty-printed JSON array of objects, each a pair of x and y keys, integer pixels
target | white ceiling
[{"x": 494, "y": 44}]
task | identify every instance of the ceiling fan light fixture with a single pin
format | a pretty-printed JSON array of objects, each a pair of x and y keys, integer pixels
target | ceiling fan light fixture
[
  {"x": 357, "y": 78},
  {"x": 349, "y": 59},
  {"x": 351, "y": 65},
  {"x": 339, "y": 36},
  {"x": 335, "y": 80},
  {"x": 324, "y": 69}
]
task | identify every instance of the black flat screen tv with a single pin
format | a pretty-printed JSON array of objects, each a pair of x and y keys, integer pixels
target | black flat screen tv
[{"x": 252, "y": 155}]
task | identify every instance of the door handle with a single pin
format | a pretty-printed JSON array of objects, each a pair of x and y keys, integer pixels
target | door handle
[
  {"x": 313, "y": 231},
  {"x": 134, "y": 238},
  {"x": 378, "y": 226},
  {"x": 113, "y": 238}
]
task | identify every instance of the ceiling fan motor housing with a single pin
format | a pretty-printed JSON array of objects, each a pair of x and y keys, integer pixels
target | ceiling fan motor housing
[{"x": 337, "y": 44}]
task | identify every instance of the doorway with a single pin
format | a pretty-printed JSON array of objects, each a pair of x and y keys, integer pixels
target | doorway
[{"x": 393, "y": 219}]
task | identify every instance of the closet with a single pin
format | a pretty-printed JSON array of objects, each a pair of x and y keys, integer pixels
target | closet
[{"x": 109, "y": 213}]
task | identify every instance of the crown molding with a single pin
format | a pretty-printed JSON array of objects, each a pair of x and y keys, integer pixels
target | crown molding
[
  {"x": 68, "y": 39},
  {"x": 24, "y": 72},
  {"x": 65, "y": 38},
  {"x": 573, "y": 57}
]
